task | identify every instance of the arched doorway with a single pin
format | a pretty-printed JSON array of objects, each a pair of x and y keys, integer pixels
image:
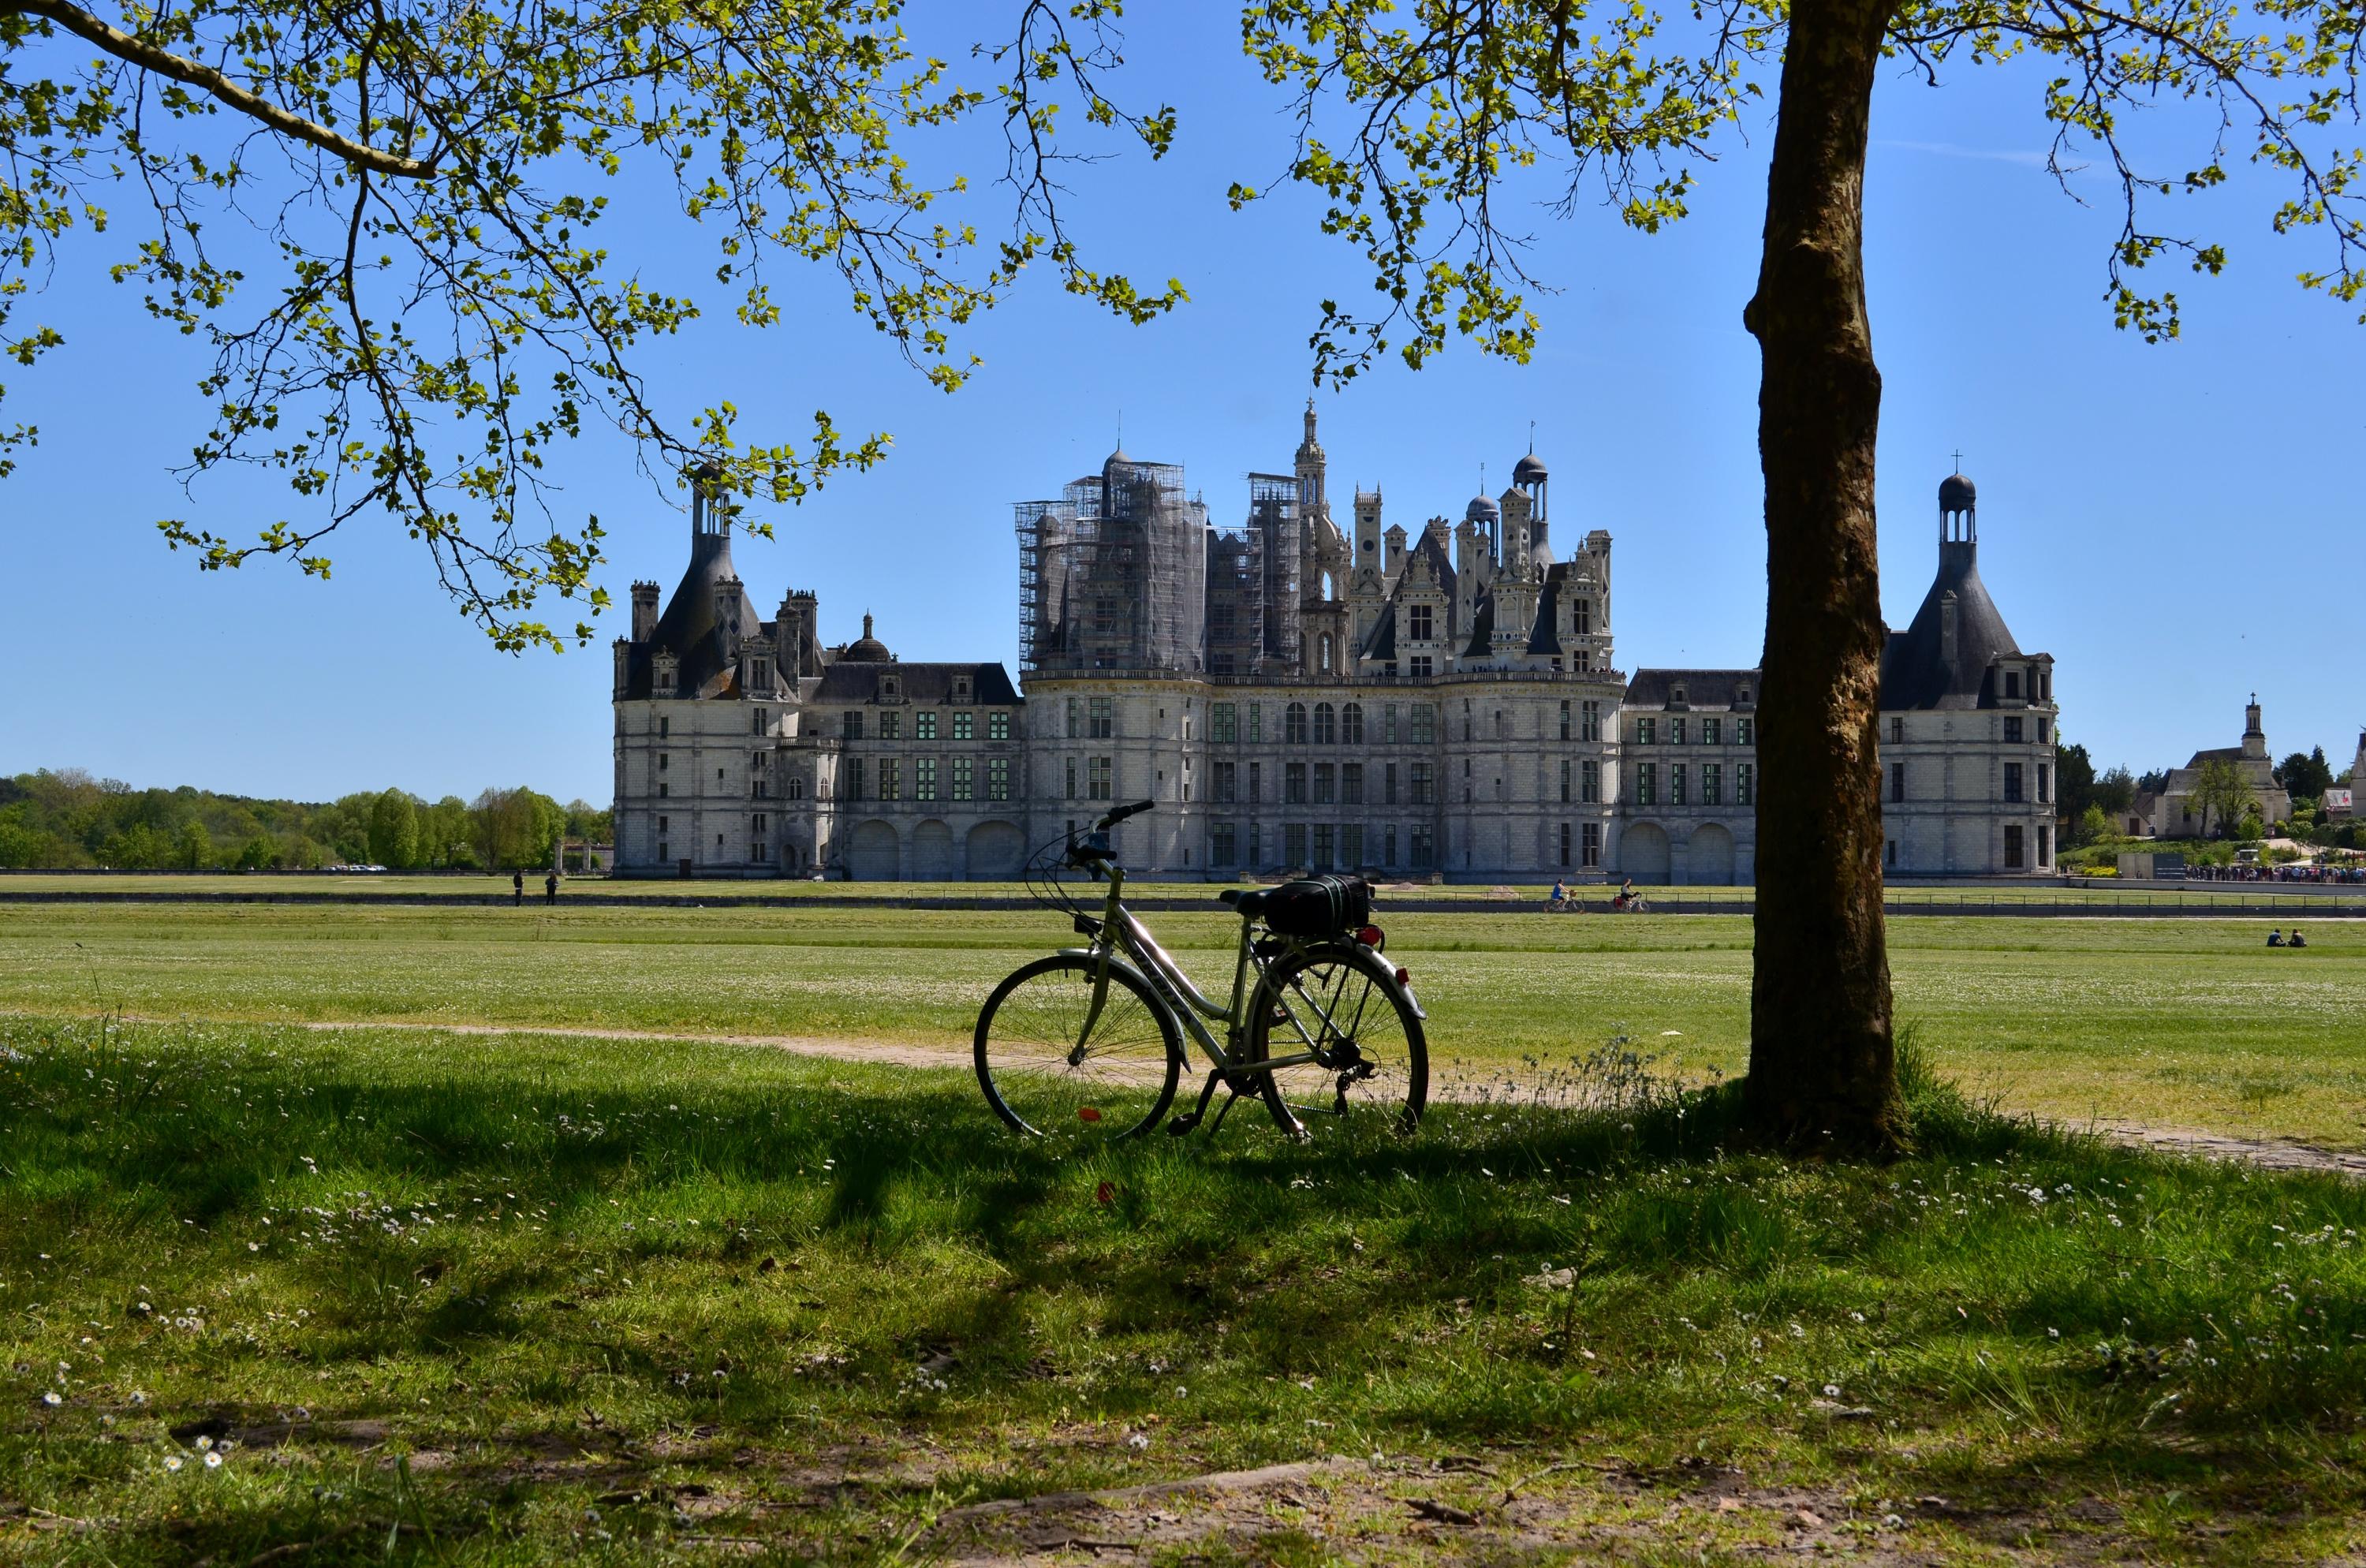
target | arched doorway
[
  {"x": 1709, "y": 858},
  {"x": 996, "y": 850},
  {"x": 932, "y": 852},
  {"x": 872, "y": 855},
  {"x": 1643, "y": 852}
]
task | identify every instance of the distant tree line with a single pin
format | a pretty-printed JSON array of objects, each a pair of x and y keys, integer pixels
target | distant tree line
[{"x": 68, "y": 820}]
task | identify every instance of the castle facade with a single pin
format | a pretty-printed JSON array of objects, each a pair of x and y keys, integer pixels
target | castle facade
[{"x": 1294, "y": 694}]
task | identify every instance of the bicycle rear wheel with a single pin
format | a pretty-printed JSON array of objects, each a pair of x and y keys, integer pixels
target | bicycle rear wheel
[
  {"x": 1342, "y": 1005},
  {"x": 1053, "y": 1066}
]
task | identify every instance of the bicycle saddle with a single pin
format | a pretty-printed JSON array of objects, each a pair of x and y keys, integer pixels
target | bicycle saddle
[{"x": 1249, "y": 904}]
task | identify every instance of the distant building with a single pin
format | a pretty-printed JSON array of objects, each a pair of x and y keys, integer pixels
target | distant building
[
  {"x": 1293, "y": 695},
  {"x": 2175, "y": 814}
]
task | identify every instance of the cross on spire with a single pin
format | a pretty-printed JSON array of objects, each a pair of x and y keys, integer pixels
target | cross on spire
[{"x": 1959, "y": 459}]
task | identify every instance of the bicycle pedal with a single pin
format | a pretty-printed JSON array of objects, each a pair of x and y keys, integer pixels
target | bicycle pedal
[{"x": 1179, "y": 1125}]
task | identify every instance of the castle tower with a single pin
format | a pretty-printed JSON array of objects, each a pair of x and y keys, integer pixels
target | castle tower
[
  {"x": 1528, "y": 475},
  {"x": 1309, "y": 469},
  {"x": 645, "y": 610},
  {"x": 2254, "y": 738}
]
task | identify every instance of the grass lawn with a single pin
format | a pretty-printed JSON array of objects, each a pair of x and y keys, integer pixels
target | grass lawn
[
  {"x": 269, "y": 1295},
  {"x": 2172, "y": 1022}
]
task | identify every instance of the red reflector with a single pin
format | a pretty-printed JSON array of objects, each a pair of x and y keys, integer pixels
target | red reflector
[
  {"x": 1370, "y": 937},
  {"x": 1088, "y": 1113},
  {"x": 1405, "y": 976}
]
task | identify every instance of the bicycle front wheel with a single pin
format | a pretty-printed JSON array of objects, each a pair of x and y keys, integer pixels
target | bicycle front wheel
[
  {"x": 1368, "y": 1060},
  {"x": 1056, "y": 1063}
]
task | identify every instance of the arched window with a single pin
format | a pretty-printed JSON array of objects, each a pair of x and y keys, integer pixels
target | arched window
[
  {"x": 1293, "y": 723},
  {"x": 1326, "y": 730},
  {"x": 1351, "y": 723}
]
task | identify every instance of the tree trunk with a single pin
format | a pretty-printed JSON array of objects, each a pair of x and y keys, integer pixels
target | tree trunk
[{"x": 1822, "y": 1072}]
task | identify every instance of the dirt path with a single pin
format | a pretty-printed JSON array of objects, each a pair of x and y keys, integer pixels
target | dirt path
[{"x": 2269, "y": 1154}]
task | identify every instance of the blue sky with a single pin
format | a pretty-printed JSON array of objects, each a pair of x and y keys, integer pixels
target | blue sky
[{"x": 2177, "y": 525}]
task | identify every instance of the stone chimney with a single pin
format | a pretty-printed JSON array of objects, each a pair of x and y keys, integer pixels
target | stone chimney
[{"x": 645, "y": 610}]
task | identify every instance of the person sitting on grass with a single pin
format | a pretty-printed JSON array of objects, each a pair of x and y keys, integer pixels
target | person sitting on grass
[
  {"x": 2275, "y": 937},
  {"x": 2295, "y": 940}
]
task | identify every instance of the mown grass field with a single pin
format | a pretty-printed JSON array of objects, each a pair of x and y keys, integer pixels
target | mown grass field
[
  {"x": 2172, "y": 1022},
  {"x": 272, "y": 1295}
]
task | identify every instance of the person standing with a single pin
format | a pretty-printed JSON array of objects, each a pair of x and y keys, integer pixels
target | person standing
[
  {"x": 550, "y": 888},
  {"x": 517, "y": 888}
]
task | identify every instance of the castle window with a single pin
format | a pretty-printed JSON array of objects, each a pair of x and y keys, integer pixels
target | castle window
[
  {"x": 1712, "y": 783},
  {"x": 1502, "y": 729},
  {"x": 998, "y": 778},
  {"x": 1222, "y": 839},
  {"x": 1590, "y": 844},
  {"x": 1351, "y": 783},
  {"x": 960, "y": 688},
  {"x": 1422, "y": 784},
  {"x": 2012, "y": 852},
  {"x": 1565, "y": 843},
  {"x": 1322, "y": 655},
  {"x": 963, "y": 778},
  {"x": 1351, "y": 723},
  {"x": 1075, "y": 719},
  {"x": 1101, "y": 778},
  {"x": 1424, "y": 724},
  {"x": 1326, "y": 724},
  {"x": 1680, "y": 695},
  {"x": 1647, "y": 782},
  {"x": 891, "y": 779},
  {"x": 665, "y": 727},
  {"x": 662, "y": 759},
  {"x": 756, "y": 722},
  {"x": 797, "y": 789},
  {"x": 854, "y": 790},
  {"x": 998, "y": 727},
  {"x": 661, "y": 791},
  {"x": 2045, "y": 789},
  {"x": 1589, "y": 782},
  {"x": 1564, "y": 723},
  {"x": 1646, "y": 731},
  {"x": 2013, "y": 729},
  {"x": 1712, "y": 731},
  {"x": 924, "y": 778},
  {"x": 662, "y": 824},
  {"x": 2041, "y": 729},
  {"x": 1896, "y": 780},
  {"x": 924, "y": 727},
  {"x": 1324, "y": 783},
  {"x": 1745, "y": 783},
  {"x": 1223, "y": 725},
  {"x": 1419, "y": 622},
  {"x": 891, "y": 725},
  {"x": 1293, "y": 723},
  {"x": 1584, "y": 626},
  {"x": 1676, "y": 730},
  {"x": 965, "y": 726},
  {"x": 1898, "y": 733},
  {"x": 2012, "y": 781},
  {"x": 890, "y": 688},
  {"x": 1589, "y": 721},
  {"x": 1102, "y": 715},
  {"x": 1071, "y": 778},
  {"x": 1418, "y": 667},
  {"x": 1676, "y": 784},
  {"x": 1293, "y": 784},
  {"x": 2012, "y": 683},
  {"x": 665, "y": 852},
  {"x": 1564, "y": 778},
  {"x": 850, "y": 725},
  {"x": 756, "y": 823}
]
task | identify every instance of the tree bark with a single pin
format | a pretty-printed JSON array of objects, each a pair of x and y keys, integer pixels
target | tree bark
[{"x": 1823, "y": 1069}]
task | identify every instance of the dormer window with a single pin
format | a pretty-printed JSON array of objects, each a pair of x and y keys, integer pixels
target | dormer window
[
  {"x": 960, "y": 688},
  {"x": 891, "y": 689},
  {"x": 1679, "y": 698},
  {"x": 1741, "y": 698},
  {"x": 2012, "y": 683}
]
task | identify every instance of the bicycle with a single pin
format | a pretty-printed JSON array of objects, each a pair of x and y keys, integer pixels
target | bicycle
[{"x": 1087, "y": 1044}]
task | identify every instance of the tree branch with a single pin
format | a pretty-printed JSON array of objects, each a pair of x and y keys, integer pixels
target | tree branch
[{"x": 163, "y": 62}]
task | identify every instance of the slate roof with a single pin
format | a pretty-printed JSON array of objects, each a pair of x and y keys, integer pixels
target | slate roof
[
  {"x": 1546, "y": 635},
  {"x": 924, "y": 684},
  {"x": 698, "y": 625},
  {"x": 1703, "y": 688},
  {"x": 1914, "y": 671}
]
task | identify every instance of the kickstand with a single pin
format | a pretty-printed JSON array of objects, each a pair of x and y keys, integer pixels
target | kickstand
[{"x": 1191, "y": 1119}]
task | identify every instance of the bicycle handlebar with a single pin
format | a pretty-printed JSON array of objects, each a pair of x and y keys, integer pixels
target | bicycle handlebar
[{"x": 1122, "y": 812}]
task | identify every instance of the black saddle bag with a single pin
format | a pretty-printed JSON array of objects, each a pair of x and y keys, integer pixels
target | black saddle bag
[{"x": 1319, "y": 906}]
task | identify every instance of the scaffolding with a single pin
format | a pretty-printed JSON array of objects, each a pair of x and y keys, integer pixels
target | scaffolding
[
  {"x": 1273, "y": 520},
  {"x": 1114, "y": 575},
  {"x": 1235, "y": 602}
]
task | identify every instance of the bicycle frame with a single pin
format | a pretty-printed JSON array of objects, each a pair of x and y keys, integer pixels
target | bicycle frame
[{"x": 1153, "y": 966}]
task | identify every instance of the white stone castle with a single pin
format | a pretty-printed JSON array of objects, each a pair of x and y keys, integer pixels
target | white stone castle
[{"x": 1292, "y": 698}]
